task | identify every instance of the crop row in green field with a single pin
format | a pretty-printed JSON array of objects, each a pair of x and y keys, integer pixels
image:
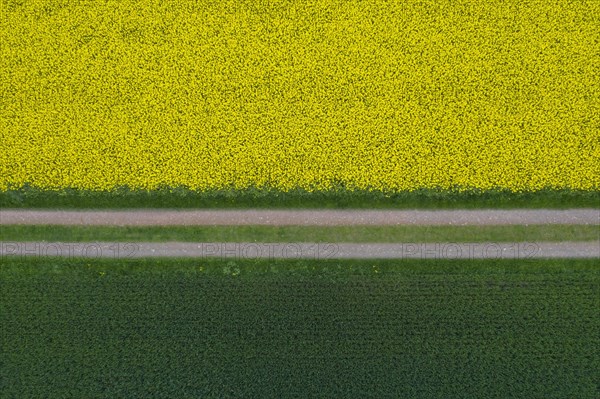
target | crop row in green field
[{"x": 353, "y": 329}]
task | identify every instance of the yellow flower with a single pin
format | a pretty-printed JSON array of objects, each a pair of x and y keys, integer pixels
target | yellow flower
[{"x": 376, "y": 95}]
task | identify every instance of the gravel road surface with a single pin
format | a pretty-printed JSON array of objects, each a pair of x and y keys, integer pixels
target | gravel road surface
[
  {"x": 299, "y": 217},
  {"x": 304, "y": 250}
]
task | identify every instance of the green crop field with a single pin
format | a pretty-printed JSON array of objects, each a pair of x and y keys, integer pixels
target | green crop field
[{"x": 260, "y": 329}]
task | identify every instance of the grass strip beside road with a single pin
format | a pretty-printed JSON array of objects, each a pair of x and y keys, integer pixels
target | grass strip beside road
[
  {"x": 358, "y": 234},
  {"x": 340, "y": 197},
  {"x": 260, "y": 328}
]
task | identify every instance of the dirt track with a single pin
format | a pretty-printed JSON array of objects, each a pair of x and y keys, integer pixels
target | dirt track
[
  {"x": 303, "y": 218},
  {"x": 300, "y": 217},
  {"x": 304, "y": 250}
]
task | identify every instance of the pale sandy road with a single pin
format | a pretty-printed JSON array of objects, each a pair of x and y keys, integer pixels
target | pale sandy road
[
  {"x": 208, "y": 217},
  {"x": 490, "y": 250}
]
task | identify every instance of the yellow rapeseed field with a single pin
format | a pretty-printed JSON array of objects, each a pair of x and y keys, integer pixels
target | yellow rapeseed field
[{"x": 374, "y": 94}]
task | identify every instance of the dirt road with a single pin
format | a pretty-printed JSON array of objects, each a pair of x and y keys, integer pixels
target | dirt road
[
  {"x": 512, "y": 250},
  {"x": 299, "y": 217},
  {"x": 303, "y": 218}
]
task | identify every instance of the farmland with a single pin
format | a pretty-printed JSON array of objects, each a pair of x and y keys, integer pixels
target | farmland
[
  {"x": 312, "y": 95},
  {"x": 277, "y": 105},
  {"x": 208, "y": 328}
]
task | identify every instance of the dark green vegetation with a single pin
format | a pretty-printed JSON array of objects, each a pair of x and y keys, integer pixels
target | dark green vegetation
[
  {"x": 301, "y": 233},
  {"x": 261, "y": 329},
  {"x": 340, "y": 197}
]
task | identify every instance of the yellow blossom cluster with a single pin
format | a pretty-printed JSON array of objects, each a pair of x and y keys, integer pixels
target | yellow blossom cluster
[{"x": 372, "y": 94}]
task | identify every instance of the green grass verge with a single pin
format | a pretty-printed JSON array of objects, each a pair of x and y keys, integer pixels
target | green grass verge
[
  {"x": 301, "y": 233},
  {"x": 341, "y": 197},
  {"x": 297, "y": 328}
]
